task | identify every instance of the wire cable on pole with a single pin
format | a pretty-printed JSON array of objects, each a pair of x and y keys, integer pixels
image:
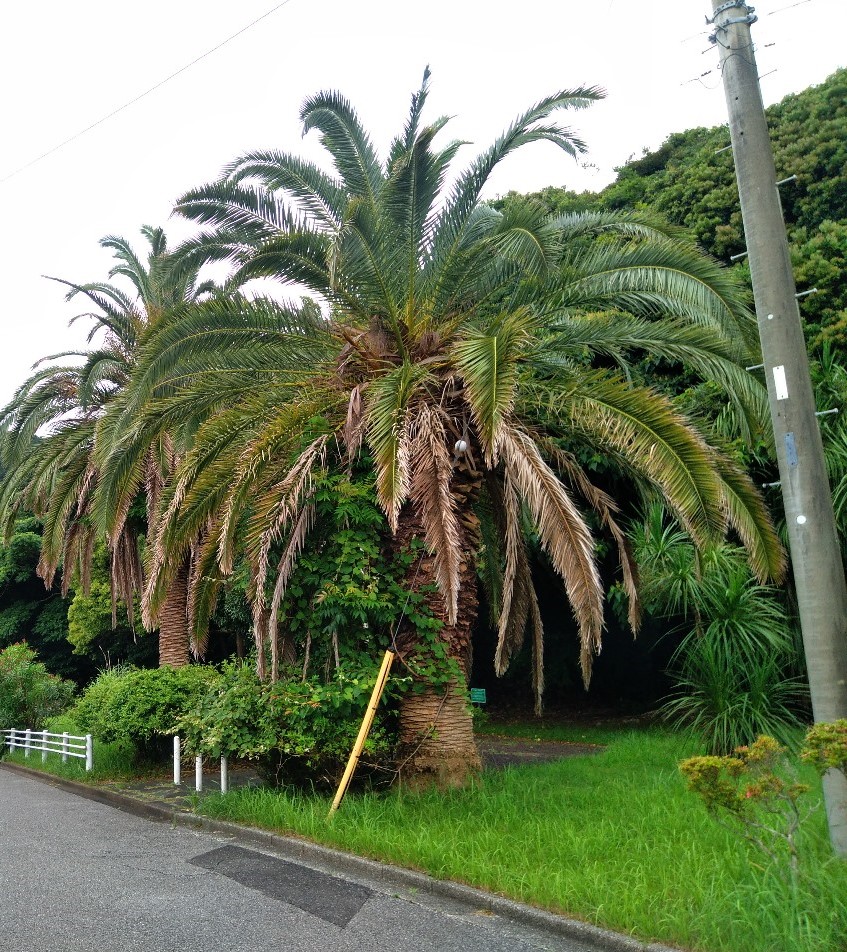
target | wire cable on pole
[{"x": 146, "y": 92}]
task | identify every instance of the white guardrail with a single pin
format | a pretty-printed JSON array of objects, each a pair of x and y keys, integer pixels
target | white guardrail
[{"x": 67, "y": 745}]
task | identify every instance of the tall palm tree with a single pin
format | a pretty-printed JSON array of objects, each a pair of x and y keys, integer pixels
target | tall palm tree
[
  {"x": 469, "y": 354},
  {"x": 51, "y": 425}
]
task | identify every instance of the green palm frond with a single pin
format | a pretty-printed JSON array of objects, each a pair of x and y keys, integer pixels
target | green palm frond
[
  {"x": 642, "y": 428},
  {"x": 346, "y": 141},
  {"x": 319, "y": 195},
  {"x": 624, "y": 337},
  {"x": 665, "y": 278},
  {"x": 748, "y": 516},
  {"x": 629, "y": 223},
  {"x": 488, "y": 361}
]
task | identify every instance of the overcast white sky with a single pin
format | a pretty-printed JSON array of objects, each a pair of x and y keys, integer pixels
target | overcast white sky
[{"x": 64, "y": 66}]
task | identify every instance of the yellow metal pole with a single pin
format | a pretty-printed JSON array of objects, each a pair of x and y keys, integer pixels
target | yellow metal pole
[{"x": 364, "y": 730}]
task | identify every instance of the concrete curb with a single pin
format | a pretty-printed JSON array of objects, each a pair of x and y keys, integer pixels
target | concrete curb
[{"x": 409, "y": 883}]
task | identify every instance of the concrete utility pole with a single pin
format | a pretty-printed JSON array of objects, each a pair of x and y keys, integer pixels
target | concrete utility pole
[{"x": 812, "y": 536}]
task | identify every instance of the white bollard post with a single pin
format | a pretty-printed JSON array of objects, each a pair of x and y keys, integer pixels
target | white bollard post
[
  {"x": 198, "y": 774},
  {"x": 27, "y": 742},
  {"x": 224, "y": 775},
  {"x": 177, "y": 761},
  {"x": 65, "y": 747},
  {"x": 89, "y": 753},
  {"x": 43, "y": 746}
]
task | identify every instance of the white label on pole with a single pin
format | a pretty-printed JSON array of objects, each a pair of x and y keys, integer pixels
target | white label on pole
[{"x": 780, "y": 383}]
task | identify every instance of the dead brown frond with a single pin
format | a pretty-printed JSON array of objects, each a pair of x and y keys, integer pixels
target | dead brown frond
[
  {"x": 431, "y": 470},
  {"x": 288, "y": 496},
  {"x": 354, "y": 427},
  {"x": 564, "y": 535},
  {"x": 606, "y": 508},
  {"x": 127, "y": 576},
  {"x": 537, "y": 652},
  {"x": 293, "y": 547},
  {"x": 515, "y": 605}
]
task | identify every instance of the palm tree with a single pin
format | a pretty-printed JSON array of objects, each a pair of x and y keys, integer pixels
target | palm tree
[
  {"x": 51, "y": 426},
  {"x": 469, "y": 355}
]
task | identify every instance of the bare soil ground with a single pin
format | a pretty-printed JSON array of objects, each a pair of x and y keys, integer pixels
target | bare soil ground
[{"x": 498, "y": 751}]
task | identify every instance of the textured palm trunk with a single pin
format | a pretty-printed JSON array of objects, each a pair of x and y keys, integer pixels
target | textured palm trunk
[
  {"x": 173, "y": 622},
  {"x": 437, "y": 745}
]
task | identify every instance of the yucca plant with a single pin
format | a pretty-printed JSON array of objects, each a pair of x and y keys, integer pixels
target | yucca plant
[
  {"x": 467, "y": 355},
  {"x": 735, "y": 670}
]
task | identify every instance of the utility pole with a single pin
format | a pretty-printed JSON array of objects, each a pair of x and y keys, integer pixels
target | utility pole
[{"x": 812, "y": 536}]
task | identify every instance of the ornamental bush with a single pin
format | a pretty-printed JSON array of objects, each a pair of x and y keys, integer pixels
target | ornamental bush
[
  {"x": 825, "y": 746},
  {"x": 142, "y": 706},
  {"x": 29, "y": 694},
  {"x": 295, "y": 731}
]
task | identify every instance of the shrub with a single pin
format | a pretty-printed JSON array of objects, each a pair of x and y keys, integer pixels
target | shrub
[
  {"x": 825, "y": 747},
  {"x": 753, "y": 791},
  {"x": 29, "y": 694},
  {"x": 297, "y": 732},
  {"x": 141, "y": 705}
]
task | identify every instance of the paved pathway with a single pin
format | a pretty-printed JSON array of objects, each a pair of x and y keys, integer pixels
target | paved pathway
[{"x": 80, "y": 876}]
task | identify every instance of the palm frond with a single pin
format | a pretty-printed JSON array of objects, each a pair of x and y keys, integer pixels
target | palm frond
[
  {"x": 347, "y": 142},
  {"x": 564, "y": 535},
  {"x": 431, "y": 468},
  {"x": 489, "y": 363}
]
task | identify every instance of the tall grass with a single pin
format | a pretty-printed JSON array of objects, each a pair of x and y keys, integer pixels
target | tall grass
[{"x": 613, "y": 839}]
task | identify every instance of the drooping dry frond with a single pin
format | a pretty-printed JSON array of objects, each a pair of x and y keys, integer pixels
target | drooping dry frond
[
  {"x": 515, "y": 606},
  {"x": 606, "y": 508},
  {"x": 564, "y": 535},
  {"x": 273, "y": 521},
  {"x": 205, "y": 581},
  {"x": 127, "y": 576},
  {"x": 302, "y": 525},
  {"x": 354, "y": 427},
  {"x": 537, "y": 651},
  {"x": 520, "y": 603},
  {"x": 71, "y": 500},
  {"x": 430, "y": 463},
  {"x": 389, "y": 398}
]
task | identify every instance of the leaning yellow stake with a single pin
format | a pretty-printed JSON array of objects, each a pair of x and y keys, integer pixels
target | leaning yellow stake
[{"x": 364, "y": 730}]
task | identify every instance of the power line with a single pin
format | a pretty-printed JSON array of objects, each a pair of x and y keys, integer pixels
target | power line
[{"x": 141, "y": 96}]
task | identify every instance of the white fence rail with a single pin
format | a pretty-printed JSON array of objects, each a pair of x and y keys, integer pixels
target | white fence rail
[{"x": 67, "y": 745}]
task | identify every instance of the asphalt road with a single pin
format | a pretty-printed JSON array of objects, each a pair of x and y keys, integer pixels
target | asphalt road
[{"x": 79, "y": 876}]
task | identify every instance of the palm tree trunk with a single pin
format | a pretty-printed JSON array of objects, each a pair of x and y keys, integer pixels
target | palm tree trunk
[
  {"x": 437, "y": 745},
  {"x": 173, "y": 622}
]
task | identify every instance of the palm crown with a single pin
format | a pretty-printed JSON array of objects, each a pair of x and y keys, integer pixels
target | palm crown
[
  {"x": 50, "y": 427},
  {"x": 467, "y": 352}
]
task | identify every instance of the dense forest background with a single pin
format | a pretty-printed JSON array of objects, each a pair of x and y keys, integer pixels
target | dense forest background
[{"x": 689, "y": 181}]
